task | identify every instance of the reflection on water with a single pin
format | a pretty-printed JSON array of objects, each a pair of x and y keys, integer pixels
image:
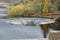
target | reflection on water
[{"x": 9, "y": 31}]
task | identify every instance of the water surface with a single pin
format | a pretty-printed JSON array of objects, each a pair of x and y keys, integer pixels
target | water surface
[{"x": 12, "y": 31}]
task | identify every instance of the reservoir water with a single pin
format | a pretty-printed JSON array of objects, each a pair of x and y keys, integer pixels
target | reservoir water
[
  {"x": 10, "y": 31},
  {"x": 13, "y": 28}
]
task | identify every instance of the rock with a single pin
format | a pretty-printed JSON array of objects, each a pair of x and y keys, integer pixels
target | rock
[{"x": 54, "y": 35}]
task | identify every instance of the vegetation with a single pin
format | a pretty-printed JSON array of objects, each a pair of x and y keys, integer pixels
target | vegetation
[
  {"x": 3, "y": 4},
  {"x": 20, "y": 10},
  {"x": 29, "y": 8}
]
